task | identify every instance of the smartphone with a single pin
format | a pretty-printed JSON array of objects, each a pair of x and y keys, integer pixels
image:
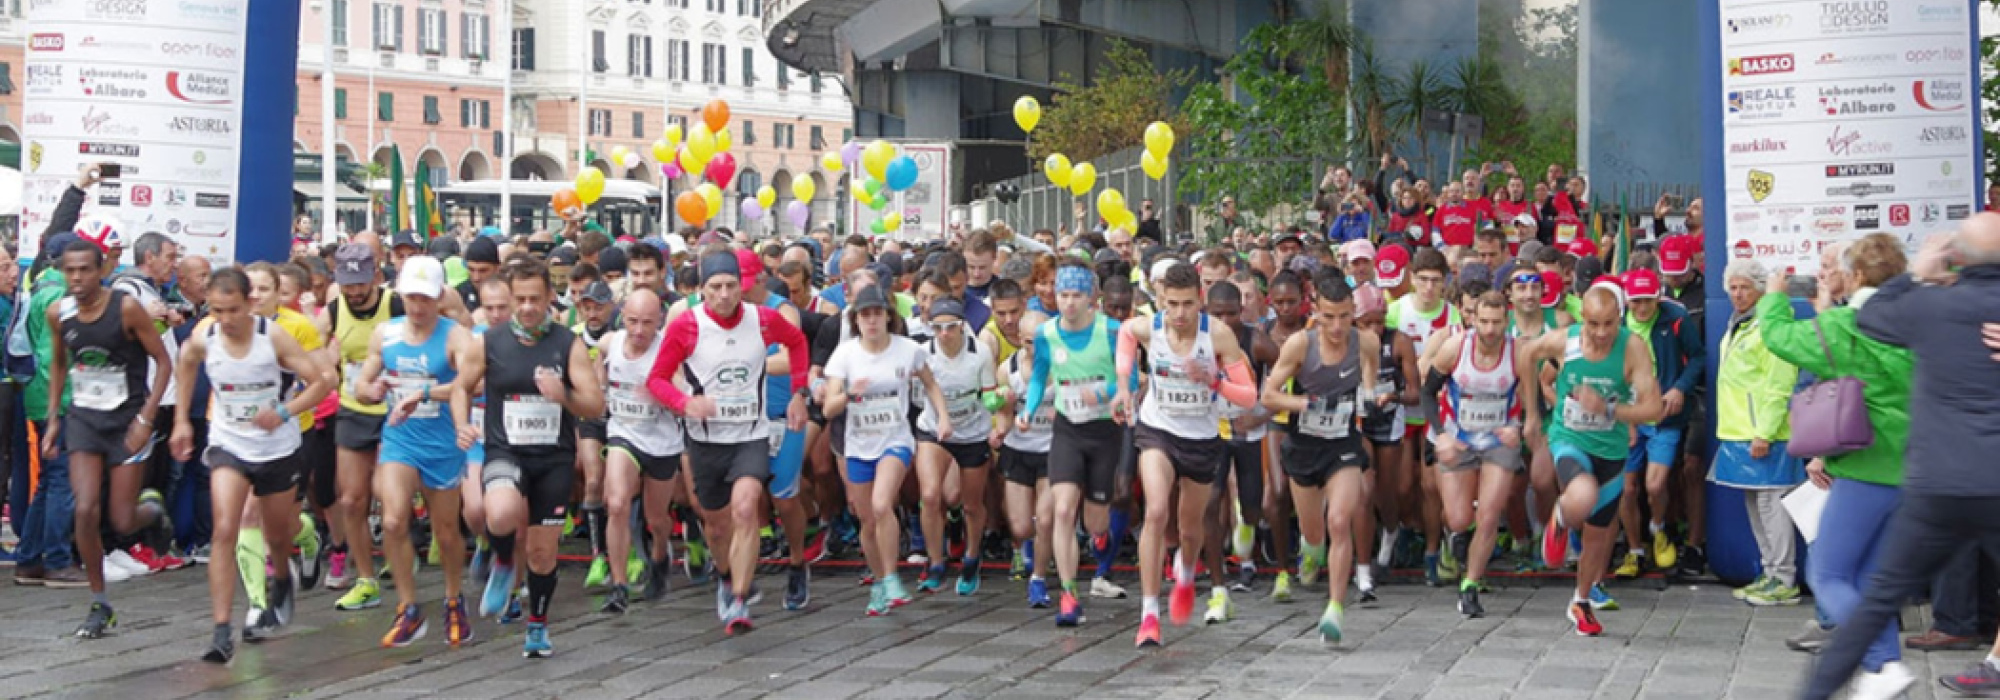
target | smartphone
[{"x": 110, "y": 171}]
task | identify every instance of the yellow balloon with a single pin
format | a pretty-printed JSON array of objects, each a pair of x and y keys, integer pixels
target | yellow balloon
[
  {"x": 1155, "y": 166},
  {"x": 803, "y": 188},
  {"x": 1057, "y": 167},
  {"x": 674, "y": 136},
  {"x": 1159, "y": 139},
  {"x": 766, "y": 197},
  {"x": 701, "y": 145},
  {"x": 830, "y": 162},
  {"x": 875, "y": 158},
  {"x": 892, "y": 221},
  {"x": 712, "y": 196},
  {"x": 1027, "y": 113},
  {"x": 1111, "y": 201},
  {"x": 688, "y": 163},
  {"x": 1082, "y": 178},
  {"x": 862, "y": 196},
  {"x": 663, "y": 152},
  {"x": 589, "y": 185},
  {"x": 723, "y": 141},
  {"x": 1128, "y": 220}
]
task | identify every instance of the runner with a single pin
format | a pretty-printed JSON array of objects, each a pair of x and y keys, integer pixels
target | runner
[
  {"x": 350, "y": 322},
  {"x": 1289, "y": 314},
  {"x": 1605, "y": 386},
  {"x": 597, "y": 316},
  {"x": 253, "y": 443},
  {"x": 1335, "y": 371},
  {"x": 104, "y": 344},
  {"x": 1024, "y": 462},
  {"x": 788, "y": 446},
  {"x": 1245, "y": 435},
  {"x": 413, "y": 362},
  {"x": 1478, "y": 438},
  {"x": 643, "y": 449},
  {"x": 963, "y": 370},
  {"x": 871, "y": 375},
  {"x": 722, "y": 345},
  {"x": 540, "y": 382},
  {"x": 1535, "y": 296},
  {"x": 1418, "y": 315},
  {"x": 1383, "y": 428},
  {"x": 496, "y": 306},
  {"x": 1678, "y": 360}
]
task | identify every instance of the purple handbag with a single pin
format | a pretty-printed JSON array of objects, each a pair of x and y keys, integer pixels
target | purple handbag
[{"x": 1830, "y": 418}]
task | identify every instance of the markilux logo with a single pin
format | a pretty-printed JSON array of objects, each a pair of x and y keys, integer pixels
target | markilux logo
[
  {"x": 1759, "y": 145},
  {"x": 1939, "y": 95},
  {"x": 1761, "y": 65}
]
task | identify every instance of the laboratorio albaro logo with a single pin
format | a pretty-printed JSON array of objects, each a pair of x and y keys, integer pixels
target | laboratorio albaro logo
[{"x": 127, "y": 83}]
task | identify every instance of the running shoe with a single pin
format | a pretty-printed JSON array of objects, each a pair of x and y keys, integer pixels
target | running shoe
[
  {"x": 1583, "y": 620},
  {"x": 1246, "y": 578},
  {"x": 1104, "y": 588},
  {"x": 1180, "y": 605},
  {"x": 112, "y": 572},
  {"x": 101, "y": 619},
  {"x": 1244, "y": 540},
  {"x": 1555, "y": 545},
  {"x": 220, "y": 648},
  {"x": 1038, "y": 593},
  {"x": 1628, "y": 567},
  {"x": 457, "y": 624},
  {"x": 1330, "y": 622},
  {"x": 1281, "y": 589},
  {"x": 478, "y": 566},
  {"x": 337, "y": 575},
  {"x": 898, "y": 597},
  {"x": 156, "y": 561},
  {"x": 739, "y": 619},
  {"x": 1890, "y": 682},
  {"x": 1468, "y": 602},
  {"x": 410, "y": 626},
  {"x": 1982, "y": 680},
  {"x": 433, "y": 555},
  {"x": 513, "y": 612},
  {"x": 798, "y": 588},
  {"x": 1149, "y": 632},
  {"x": 1447, "y": 564},
  {"x": 635, "y": 566},
  {"x": 1069, "y": 612},
  {"x": 658, "y": 582},
  {"x": 723, "y": 599},
  {"x": 600, "y": 572},
  {"x": 815, "y": 547},
  {"x": 365, "y": 594},
  {"x": 1763, "y": 582},
  {"x": 1664, "y": 554},
  {"x": 311, "y": 569},
  {"x": 968, "y": 577},
  {"x": 1777, "y": 594},
  {"x": 279, "y": 594},
  {"x": 498, "y": 585},
  {"x": 536, "y": 644},
  {"x": 699, "y": 569},
  {"x": 260, "y": 625},
  {"x": 126, "y": 563},
  {"x": 1310, "y": 565},
  {"x": 1432, "y": 577},
  {"x": 1385, "y": 550},
  {"x": 1600, "y": 600},
  {"x": 932, "y": 578},
  {"x": 878, "y": 600},
  {"x": 616, "y": 600},
  {"x": 1458, "y": 550},
  {"x": 1219, "y": 607},
  {"x": 1018, "y": 569}
]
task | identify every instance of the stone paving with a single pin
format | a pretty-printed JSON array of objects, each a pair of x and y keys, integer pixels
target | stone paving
[{"x": 1680, "y": 642}]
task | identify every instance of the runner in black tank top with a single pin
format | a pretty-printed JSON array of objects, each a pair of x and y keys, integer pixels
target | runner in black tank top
[
  {"x": 1389, "y": 484},
  {"x": 104, "y": 342}
]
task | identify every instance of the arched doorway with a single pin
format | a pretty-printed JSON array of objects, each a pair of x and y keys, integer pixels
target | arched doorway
[
  {"x": 474, "y": 166},
  {"x": 537, "y": 166}
]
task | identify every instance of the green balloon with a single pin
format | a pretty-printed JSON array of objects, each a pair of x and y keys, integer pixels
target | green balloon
[
  {"x": 872, "y": 185},
  {"x": 878, "y": 203},
  {"x": 877, "y": 227}
]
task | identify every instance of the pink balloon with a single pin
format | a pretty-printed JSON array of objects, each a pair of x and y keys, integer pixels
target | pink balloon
[
  {"x": 849, "y": 152},
  {"x": 671, "y": 170},
  {"x": 721, "y": 169},
  {"x": 750, "y": 209},
  {"x": 796, "y": 212}
]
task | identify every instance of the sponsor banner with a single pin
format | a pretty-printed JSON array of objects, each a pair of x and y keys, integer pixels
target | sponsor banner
[
  {"x": 153, "y": 85},
  {"x": 1843, "y": 118}
]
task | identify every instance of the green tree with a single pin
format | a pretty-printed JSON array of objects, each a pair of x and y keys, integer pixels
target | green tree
[
  {"x": 1111, "y": 113},
  {"x": 1265, "y": 142}
]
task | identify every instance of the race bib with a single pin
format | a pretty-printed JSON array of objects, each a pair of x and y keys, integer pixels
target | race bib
[
  {"x": 1482, "y": 414},
  {"x": 1327, "y": 422},
  {"x": 401, "y": 387},
  {"x": 736, "y": 408},
  {"x": 1565, "y": 233},
  {"x": 477, "y": 417},
  {"x": 532, "y": 420},
  {"x": 875, "y": 415},
  {"x": 962, "y": 410},
  {"x": 1177, "y": 396},
  {"x": 98, "y": 388},
  {"x": 1575, "y": 418},
  {"x": 239, "y": 403},
  {"x": 1042, "y": 419},
  {"x": 1083, "y": 400},
  {"x": 629, "y": 405},
  {"x": 350, "y": 377}
]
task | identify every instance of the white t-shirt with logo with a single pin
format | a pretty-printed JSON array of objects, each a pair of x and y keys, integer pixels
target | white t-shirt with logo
[{"x": 878, "y": 418}]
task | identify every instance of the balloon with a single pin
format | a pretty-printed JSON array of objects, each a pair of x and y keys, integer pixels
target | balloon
[
  {"x": 721, "y": 170},
  {"x": 711, "y": 197},
  {"x": 1027, "y": 113},
  {"x": 674, "y": 136},
  {"x": 766, "y": 196},
  {"x": 892, "y": 222},
  {"x": 803, "y": 188},
  {"x": 589, "y": 185},
  {"x": 1159, "y": 139},
  {"x": 1155, "y": 166},
  {"x": 1057, "y": 167},
  {"x": 687, "y": 161},
  {"x": 662, "y": 152},
  {"x": 691, "y": 207},
  {"x": 902, "y": 173},
  {"x": 672, "y": 170},
  {"x": 849, "y": 152},
  {"x": 566, "y": 204},
  {"x": 715, "y": 114},
  {"x": 878, "y": 226},
  {"x": 618, "y": 153},
  {"x": 1110, "y": 201},
  {"x": 875, "y": 158},
  {"x": 797, "y": 212},
  {"x": 878, "y": 202},
  {"x": 871, "y": 185},
  {"x": 701, "y": 144},
  {"x": 631, "y": 160},
  {"x": 1082, "y": 178},
  {"x": 830, "y": 162},
  {"x": 723, "y": 141},
  {"x": 862, "y": 196},
  {"x": 751, "y": 211}
]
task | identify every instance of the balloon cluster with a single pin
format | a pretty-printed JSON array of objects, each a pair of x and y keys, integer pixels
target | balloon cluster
[
  {"x": 1080, "y": 178},
  {"x": 880, "y": 171},
  {"x": 702, "y": 150}
]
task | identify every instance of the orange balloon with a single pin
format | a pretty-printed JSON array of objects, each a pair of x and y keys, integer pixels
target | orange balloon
[
  {"x": 567, "y": 204},
  {"x": 692, "y": 208},
  {"x": 716, "y": 115}
]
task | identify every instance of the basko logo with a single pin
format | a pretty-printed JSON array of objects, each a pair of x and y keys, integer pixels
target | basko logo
[
  {"x": 46, "y": 41},
  {"x": 1939, "y": 95},
  {"x": 1759, "y": 23},
  {"x": 1761, "y": 65},
  {"x": 1854, "y": 17},
  {"x": 115, "y": 9}
]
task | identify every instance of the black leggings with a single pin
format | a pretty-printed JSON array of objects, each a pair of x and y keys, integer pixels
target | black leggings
[
  {"x": 1247, "y": 458},
  {"x": 318, "y": 450}
]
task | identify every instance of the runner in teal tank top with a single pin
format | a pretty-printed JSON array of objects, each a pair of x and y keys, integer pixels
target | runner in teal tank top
[{"x": 1605, "y": 386}]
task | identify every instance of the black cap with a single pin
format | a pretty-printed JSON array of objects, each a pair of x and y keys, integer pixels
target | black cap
[
  {"x": 893, "y": 262},
  {"x": 598, "y": 292},
  {"x": 483, "y": 250},
  {"x": 612, "y": 260},
  {"x": 560, "y": 256},
  {"x": 406, "y": 238},
  {"x": 354, "y": 263},
  {"x": 442, "y": 247},
  {"x": 870, "y": 297}
]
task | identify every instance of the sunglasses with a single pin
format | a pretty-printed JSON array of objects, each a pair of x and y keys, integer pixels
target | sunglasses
[{"x": 1527, "y": 279}]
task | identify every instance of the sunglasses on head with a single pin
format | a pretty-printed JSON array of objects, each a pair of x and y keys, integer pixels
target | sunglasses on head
[{"x": 1527, "y": 278}]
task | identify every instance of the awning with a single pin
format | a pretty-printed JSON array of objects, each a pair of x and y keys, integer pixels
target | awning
[{"x": 310, "y": 189}]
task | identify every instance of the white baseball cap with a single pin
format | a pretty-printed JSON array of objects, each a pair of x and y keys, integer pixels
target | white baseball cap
[{"x": 422, "y": 275}]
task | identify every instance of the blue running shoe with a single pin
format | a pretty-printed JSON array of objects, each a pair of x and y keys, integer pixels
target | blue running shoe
[
  {"x": 1431, "y": 571},
  {"x": 514, "y": 612},
  {"x": 498, "y": 585},
  {"x": 1599, "y": 600},
  {"x": 1038, "y": 593},
  {"x": 536, "y": 645}
]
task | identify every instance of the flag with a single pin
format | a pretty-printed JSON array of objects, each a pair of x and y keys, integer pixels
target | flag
[
  {"x": 399, "y": 201},
  {"x": 422, "y": 207}
]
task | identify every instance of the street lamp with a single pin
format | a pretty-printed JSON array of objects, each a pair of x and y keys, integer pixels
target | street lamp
[{"x": 328, "y": 164}]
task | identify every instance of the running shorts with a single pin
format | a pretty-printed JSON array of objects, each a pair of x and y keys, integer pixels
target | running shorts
[
  {"x": 1505, "y": 457},
  {"x": 1572, "y": 462},
  {"x": 1657, "y": 445},
  {"x": 1194, "y": 460},
  {"x": 1086, "y": 456},
  {"x": 651, "y": 467},
  {"x": 968, "y": 455},
  {"x": 437, "y": 472},
  {"x": 545, "y": 481},
  {"x": 266, "y": 478},
  {"x": 862, "y": 471},
  {"x": 1247, "y": 458},
  {"x": 590, "y": 430},
  {"x": 1024, "y": 468},
  {"x": 1310, "y": 461},
  {"x": 716, "y": 466},
  {"x": 788, "y": 459},
  {"x": 103, "y": 433},
  {"x": 357, "y": 431}
]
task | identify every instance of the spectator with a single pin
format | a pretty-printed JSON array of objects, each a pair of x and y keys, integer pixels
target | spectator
[{"x": 1754, "y": 388}]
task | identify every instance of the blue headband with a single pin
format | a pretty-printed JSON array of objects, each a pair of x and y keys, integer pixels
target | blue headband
[{"x": 1075, "y": 279}]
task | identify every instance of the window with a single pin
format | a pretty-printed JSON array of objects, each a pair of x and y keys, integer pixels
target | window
[
  {"x": 717, "y": 5},
  {"x": 340, "y": 103},
  {"x": 524, "y": 49},
  {"x": 475, "y": 36},
  {"x": 432, "y": 115},
  {"x": 678, "y": 120},
  {"x": 749, "y": 67},
  {"x": 749, "y": 133},
  {"x": 638, "y": 125},
  {"x": 597, "y": 62},
  {"x": 677, "y": 59},
  {"x": 6, "y": 78},
  {"x": 339, "y": 22},
  {"x": 600, "y": 122},
  {"x": 818, "y": 142},
  {"x": 388, "y": 27},
  {"x": 784, "y": 77},
  {"x": 475, "y": 114},
  {"x": 846, "y": 135},
  {"x": 639, "y": 56},
  {"x": 430, "y": 32},
  {"x": 385, "y": 106},
  {"x": 714, "y": 64},
  {"x": 782, "y": 135},
  {"x": 815, "y": 82}
]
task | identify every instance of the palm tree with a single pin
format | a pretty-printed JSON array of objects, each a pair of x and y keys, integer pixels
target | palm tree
[
  {"x": 1323, "y": 37},
  {"x": 1421, "y": 89},
  {"x": 1477, "y": 88},
  {"x": 1369, "y": 95}
]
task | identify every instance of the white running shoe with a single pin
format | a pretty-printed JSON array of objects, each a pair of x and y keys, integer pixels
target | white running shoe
[
  {"x": 1890, "y": 682},
  {"x": 119, "y": 558},
  {"x": 1104, "y": 588},
  {"x": 113, "y": 573}
]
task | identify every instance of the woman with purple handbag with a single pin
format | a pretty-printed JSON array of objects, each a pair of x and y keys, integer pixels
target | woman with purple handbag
[
  {"x": 1752, "y": 428},
  {"x": 1864, "y": 483}
]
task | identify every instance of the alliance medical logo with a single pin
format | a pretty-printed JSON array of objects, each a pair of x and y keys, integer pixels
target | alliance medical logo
[{"x": 1939, "y": 95}]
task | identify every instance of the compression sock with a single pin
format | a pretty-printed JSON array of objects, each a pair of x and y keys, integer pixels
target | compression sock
[
  {"x": 594, "y": 517},
  {"x": 541, "y": 588},
  {"x": 503, "y": 549},
  {"x": 1113, "y": 543}
]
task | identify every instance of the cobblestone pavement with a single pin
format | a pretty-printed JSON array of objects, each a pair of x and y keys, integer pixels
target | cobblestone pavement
[{"x": 1680, "y": 642}]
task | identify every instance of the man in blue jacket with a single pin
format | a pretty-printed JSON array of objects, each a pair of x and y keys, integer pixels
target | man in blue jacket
[{"x": 1678, "y": 362}]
